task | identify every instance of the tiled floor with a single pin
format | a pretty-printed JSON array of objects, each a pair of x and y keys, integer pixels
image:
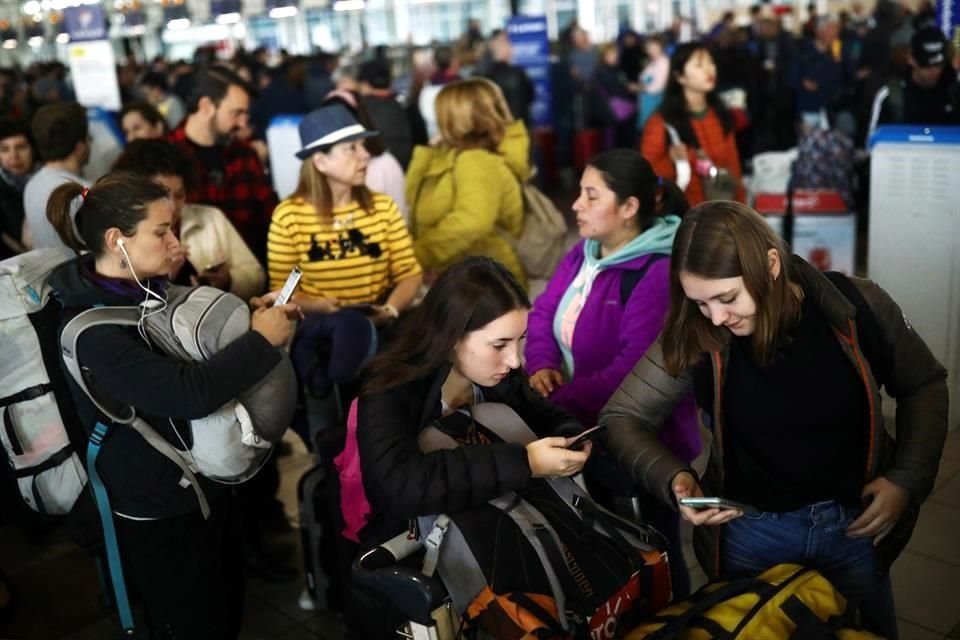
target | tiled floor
[{"x": 45, "y": 569}]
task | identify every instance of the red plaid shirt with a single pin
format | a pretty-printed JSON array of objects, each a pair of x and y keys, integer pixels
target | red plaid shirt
[{"x": 243, "y": 191}]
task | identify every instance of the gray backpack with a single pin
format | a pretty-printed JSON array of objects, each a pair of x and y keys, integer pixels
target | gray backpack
[
  {"x": 231, "y": 444},
  {"x": 40, "y": 429}
]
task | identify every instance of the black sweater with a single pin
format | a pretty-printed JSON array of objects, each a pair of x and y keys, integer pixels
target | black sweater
[
  {"x": 124, "y": 370},
  {"x": 402, "y": 483}
]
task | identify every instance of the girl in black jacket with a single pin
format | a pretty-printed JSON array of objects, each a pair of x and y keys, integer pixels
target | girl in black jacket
[
  {"x": 460, "y": 346},
  {"x": 187, "y": 569}
]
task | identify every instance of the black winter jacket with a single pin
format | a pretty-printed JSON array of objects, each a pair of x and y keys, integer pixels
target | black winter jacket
[
  {"x": 123, "y": 370},
  {"x": 402, "y": 483}
]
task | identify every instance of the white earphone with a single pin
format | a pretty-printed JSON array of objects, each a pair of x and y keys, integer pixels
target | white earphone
[{"x": 156, "y": 305}]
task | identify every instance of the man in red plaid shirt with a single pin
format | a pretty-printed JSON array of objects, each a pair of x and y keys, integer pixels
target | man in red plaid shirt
[{"x": 227, "y": 172}]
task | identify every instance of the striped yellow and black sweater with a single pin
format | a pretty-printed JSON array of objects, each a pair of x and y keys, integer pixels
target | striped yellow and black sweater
[{"x": 357, "y": 257}]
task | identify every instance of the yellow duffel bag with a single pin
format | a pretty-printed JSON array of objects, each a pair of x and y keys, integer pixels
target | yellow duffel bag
[{"x": 786, "y": 601}]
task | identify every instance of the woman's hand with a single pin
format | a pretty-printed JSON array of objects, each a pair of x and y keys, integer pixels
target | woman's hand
[
  {"x": 178, "y": 258},
  {"x": 276, "y": 323},
  {"x": 678, "y": 152},
  {"x": 550, "y": 457},
  {"x": 887, "y": 504},
  {"x": 685, "y": 486},
  {"x": 546, "y": 381}
]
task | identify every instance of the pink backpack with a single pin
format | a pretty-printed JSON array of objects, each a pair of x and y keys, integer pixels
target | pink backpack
[{"x": 353, "y": 499}]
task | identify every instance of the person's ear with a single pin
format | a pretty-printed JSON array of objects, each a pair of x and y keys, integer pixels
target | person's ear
[
  {"x": 774, "y": 263},
  {"x": 205, "y": 107},
  {"x": 320, "y": 162},
  {"x": 630, "y": 208},
  {"x": 111, "y": 240}
]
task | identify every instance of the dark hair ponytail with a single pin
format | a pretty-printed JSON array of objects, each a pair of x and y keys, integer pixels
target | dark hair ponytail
[
  {"x": 670, "y": 199},
  {"x": 117, "y": 200},
  {"x": 60, "y": 213}
]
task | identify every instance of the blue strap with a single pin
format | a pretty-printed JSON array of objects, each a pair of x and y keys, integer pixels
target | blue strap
[{"x": 109, "y": 531}]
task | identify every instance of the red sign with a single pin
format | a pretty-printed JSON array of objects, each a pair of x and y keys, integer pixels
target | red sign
[{"x": 805, "y": 202}]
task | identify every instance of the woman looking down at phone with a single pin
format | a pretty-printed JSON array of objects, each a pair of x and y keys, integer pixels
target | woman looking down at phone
[{"x": 786, "y": 364}]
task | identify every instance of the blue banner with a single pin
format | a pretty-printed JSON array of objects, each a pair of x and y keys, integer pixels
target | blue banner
[
  {"x": 86, "y": 22},
  {"x": 948, "y": 16},
  {"x": 531, "y": 51}
]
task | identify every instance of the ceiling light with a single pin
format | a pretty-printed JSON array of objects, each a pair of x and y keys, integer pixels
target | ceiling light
[
  {"x": 283, "y": 12},
  {"x": 228, "y": 18}
]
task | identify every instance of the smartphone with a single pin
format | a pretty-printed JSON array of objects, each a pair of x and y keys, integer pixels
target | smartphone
[
  {"x": 589, "y": 434},
  {"x": 289, "y": 286},
  {"x": 716, "y": 503}
]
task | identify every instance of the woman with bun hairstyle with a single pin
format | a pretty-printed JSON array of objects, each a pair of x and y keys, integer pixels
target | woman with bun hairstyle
[{"x": 187, "y": 569}]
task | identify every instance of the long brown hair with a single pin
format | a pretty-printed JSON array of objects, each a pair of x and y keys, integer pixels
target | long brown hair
[
  {"x": 467, "y": 296},
  {"x": 313, "y": 188},
  {"x": 722, "y": 239}
]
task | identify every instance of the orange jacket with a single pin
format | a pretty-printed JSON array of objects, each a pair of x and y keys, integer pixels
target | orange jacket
[{"x": 721, "y": 148}]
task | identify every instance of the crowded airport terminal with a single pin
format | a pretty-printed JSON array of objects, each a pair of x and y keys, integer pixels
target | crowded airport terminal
[{"x": 440, "y": 319}]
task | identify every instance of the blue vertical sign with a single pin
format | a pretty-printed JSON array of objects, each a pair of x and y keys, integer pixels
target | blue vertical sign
[
  {"x": 531, "y": 51},
  {"x": 948, "y": 16}
]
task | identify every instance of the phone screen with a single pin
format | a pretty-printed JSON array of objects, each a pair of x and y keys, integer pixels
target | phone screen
[
  {"x": 589, "y": 434},
  {"x": 289, "y": 286}
]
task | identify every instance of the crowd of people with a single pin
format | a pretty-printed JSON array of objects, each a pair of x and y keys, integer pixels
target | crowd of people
[{"x": 677, "y": 307}]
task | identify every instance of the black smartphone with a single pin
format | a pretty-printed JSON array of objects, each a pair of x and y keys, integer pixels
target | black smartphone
[{"x": 589, "y": 434}]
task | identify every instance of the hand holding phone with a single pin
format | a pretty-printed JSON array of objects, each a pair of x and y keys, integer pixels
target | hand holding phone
[
  {"x": 589, "y": 434},
  {"x": 701, "y": 503},
  {"x": 293, "y": 280}
]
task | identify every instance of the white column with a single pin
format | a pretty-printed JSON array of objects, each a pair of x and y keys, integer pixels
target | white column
[
  {"x": 401, "y": 20},
  {"x": 587, "y": 17},
  {"x": 550, "y": 11}
]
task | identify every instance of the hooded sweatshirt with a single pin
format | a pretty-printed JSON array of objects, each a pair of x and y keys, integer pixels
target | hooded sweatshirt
[
  {"x": 167, "y": 393},
  {"x": 607, "y": 337}
]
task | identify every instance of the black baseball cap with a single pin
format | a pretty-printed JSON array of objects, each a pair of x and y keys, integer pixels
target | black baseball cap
[{"x": 928, "y": 47}]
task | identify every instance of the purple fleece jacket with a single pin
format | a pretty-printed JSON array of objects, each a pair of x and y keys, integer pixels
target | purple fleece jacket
[{"x": 608, "y": 341}]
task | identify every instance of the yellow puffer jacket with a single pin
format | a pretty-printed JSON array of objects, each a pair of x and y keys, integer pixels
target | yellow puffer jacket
[{"x": 462, "y": 201}]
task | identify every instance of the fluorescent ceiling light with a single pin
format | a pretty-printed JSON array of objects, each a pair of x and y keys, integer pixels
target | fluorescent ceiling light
[
  {"x": 228, "y": 18},
  {"x": 349, "y": 5},
  {"x": 178, "y": 24},
  {"x": 31, "y": 7},
  {"x": 283, "y": 12}
]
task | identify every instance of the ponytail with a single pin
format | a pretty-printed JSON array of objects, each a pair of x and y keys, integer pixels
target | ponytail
[
  {"x": 63, "y": 206},
  {"x": 82, "y": 216},
  {"x": 670, "y": 199}
]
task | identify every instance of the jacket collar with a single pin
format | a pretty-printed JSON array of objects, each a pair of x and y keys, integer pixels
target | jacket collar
[{"x": 835, "y": 307}]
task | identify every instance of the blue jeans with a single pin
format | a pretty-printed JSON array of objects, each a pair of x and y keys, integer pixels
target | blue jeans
[{"x": 815, "y": 537}]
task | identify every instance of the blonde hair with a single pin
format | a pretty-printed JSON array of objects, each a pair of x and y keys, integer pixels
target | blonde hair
[
  {"x": 313, "y": 188},
  {"x": 472, "y": 114}
]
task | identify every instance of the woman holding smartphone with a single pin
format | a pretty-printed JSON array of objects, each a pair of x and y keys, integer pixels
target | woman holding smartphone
[
  {"x": 786, "y": 364},
  {"x": 352, "y": 245}
]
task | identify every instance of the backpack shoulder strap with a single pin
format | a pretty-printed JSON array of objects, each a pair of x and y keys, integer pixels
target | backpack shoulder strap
[
  {"x": 871, "y": 338},
  {"x": 70, "y": 336},
  {"x": 630, "y": 279}
]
